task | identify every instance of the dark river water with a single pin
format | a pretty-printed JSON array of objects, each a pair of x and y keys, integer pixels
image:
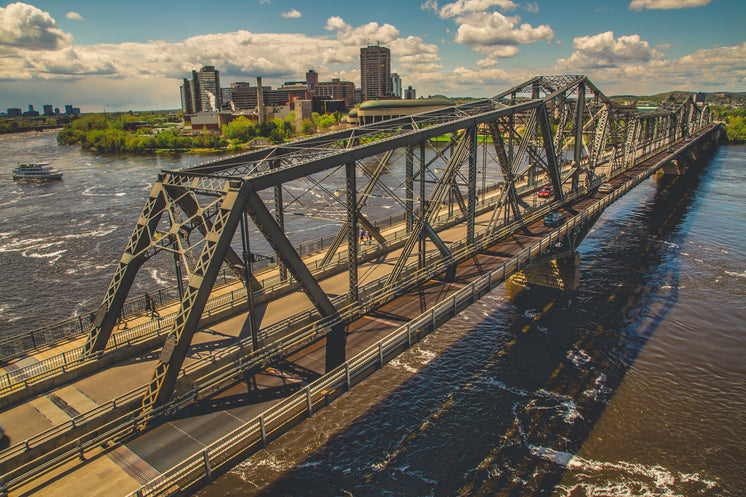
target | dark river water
[{"x": 634, "y": 385}]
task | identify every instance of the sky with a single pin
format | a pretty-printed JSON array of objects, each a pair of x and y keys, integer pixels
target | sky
[{"x": 132, "y": 55}]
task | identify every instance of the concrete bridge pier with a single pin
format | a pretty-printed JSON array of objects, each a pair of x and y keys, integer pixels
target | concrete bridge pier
[
  {"x": 676, "y": 167},
  {"x": 561, "y": 272}
]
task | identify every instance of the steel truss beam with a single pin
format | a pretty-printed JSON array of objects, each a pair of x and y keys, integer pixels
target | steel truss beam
[{"x": 209, "y": 200}]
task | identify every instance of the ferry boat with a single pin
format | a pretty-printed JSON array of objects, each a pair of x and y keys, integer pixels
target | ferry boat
[{"x": 36, "y": 171}]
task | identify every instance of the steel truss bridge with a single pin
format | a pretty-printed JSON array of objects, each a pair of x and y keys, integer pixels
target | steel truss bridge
[
  {"x": 559, "y": 131},
  {"x": 475, "y": 169}
]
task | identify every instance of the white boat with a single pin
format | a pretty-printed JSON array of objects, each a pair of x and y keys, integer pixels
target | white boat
[{"x": 36, "y": 171}]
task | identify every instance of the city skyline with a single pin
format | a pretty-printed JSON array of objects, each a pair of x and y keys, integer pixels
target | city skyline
[{"x": 110, "y": 56}]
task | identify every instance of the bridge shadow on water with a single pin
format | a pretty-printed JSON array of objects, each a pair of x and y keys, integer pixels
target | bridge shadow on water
[{"x": 506, "y": 405}]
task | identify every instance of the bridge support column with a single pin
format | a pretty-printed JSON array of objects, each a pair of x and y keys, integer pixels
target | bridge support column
[
  {"x": 562, "y": 273},
  {"x": 676, "y": 167}
]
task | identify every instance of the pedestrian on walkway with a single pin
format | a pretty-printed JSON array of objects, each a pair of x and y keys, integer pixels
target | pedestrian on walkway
[{"x": 150, "y": 307}]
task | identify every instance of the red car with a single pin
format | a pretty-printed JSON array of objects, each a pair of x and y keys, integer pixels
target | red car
[{"x": 546, "y": 192}]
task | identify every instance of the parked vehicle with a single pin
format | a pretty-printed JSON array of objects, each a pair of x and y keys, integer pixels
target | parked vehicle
[
  {"x": 554, "y": 219},
  {"x": 605, "y": 188},
  {"x": 546, "y": 192}
]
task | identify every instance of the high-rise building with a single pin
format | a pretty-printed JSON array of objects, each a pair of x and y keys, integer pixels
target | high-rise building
[
  {"x": 336, "y": 89},
  {"x": 187, "y": 103},
  {"x": 410, "y": 93},
  {"x": 48, "y": 110},
  {"x": 209, "y": 88},
  {"x": 375, "y": 72},
  {"x": 395, "y": 85},
  {"x": 312, "y": 79},
  {"x": 68, "y": 110},
  {"x": 202, "y": 92}
]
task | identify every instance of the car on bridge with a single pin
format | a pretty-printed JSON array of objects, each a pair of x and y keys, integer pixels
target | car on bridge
[
  {"x": 670, "y": 150},
  {"x": 554, "y": 219},
  {"x": 605, "y": 188},
  {"x": 546, "y": 192}
]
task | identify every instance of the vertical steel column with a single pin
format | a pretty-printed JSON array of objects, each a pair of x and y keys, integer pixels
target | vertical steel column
[
  {"x": 247, "y": 259},
  {"x": 511, "y": 124},
  {"x": 409, "y": 188},
  {"x": 352, "y": 231},
  {"x": 579, "y": 111},
  {"x": 179, "y": 283},
  {"x": 471, "y": 203},
  {"x": 422, "y": 240},
  {"x": 280, "y": 218}
]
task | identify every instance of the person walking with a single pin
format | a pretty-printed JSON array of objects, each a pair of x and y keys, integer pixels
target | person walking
[{"x": 150, "y": 307}]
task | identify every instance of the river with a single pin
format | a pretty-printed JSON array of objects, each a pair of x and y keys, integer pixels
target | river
[{"x": 634, "y": 385}]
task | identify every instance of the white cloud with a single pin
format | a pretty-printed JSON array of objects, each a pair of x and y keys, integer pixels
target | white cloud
[
  {"x": 603, "y": 50},
  {"x": 239, "y": 55},
  {"x": 630, "y": 65},
  {"x": 666, "y": 4},
  {"x": 496, "y": 35},
  {"x": 531, "y": 7},
  {"x": 74, "y": 16},
  {"x": 366, "y": 34},
  {"x": 486, "y": 63},
  {"x": 292, "y": 13},
  {"x": 26, "y": 27},
  {"x": 461, "y": 7}
]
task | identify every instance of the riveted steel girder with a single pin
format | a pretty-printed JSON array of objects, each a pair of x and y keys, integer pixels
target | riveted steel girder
[{"x": 217, "y": 241}]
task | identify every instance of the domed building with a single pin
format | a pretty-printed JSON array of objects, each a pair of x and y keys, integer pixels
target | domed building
[{"x": 374, "y": 111}]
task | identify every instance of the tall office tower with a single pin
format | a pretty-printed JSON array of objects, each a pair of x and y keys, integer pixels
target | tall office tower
[
  {"x": 312, "y": 79},
  {"x": 187, "y": 102},
  {"x": 375, "y": 72},
  {"x": 48, "y": 111},
  {"x": 209, "y": 89},
  {"x": 410, "y": 93},
  {"x": 395, "y": 85}
]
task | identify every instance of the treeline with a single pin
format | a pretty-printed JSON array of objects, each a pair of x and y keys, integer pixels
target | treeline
[
  {"x": 242, "y": 130},
  {"x": 13, "y": 125},
  {"x": 104, "y": 133},
  {"x": 735, "y": 122}
]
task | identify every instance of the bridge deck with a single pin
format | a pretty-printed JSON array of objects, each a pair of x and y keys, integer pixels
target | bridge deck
[{"x": 126, "y": 467}]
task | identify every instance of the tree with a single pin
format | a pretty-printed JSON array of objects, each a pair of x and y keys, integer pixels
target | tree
[{"x": 240, "y": 129}]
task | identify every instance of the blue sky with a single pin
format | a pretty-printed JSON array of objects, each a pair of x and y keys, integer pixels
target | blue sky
[{"x": 132, "y": 55}]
